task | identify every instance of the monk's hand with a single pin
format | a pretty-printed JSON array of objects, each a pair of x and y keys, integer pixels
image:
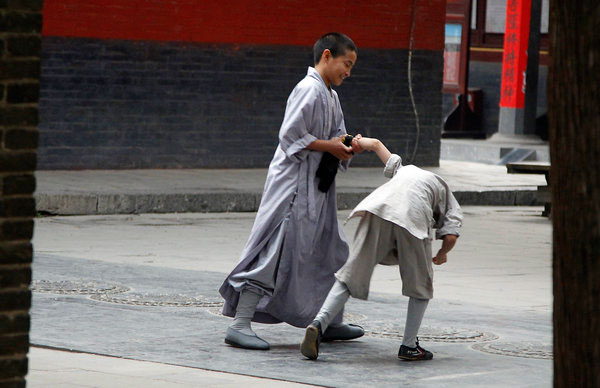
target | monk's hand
[
  {"x": 440, "y": 258},
  {"x": 368, "y": 143},
  {"x": 338, "y": 149},
  {"x": 356, "y": 147}
]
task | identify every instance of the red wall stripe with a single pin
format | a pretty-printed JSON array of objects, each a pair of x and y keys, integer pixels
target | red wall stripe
[{"x": 381, "y": 24}]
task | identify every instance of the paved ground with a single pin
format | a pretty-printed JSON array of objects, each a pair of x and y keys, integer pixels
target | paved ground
[
  {"x": 164, "y": 191},
  {"x": 490, "y": 321},
  {"x": 52, "y": 368}
]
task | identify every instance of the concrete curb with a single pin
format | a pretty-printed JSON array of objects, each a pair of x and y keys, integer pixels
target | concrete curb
[{"x": 219, "y": 202}]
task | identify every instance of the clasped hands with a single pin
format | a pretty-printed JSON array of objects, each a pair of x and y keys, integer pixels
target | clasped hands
[{"x": 338, "y": 149}]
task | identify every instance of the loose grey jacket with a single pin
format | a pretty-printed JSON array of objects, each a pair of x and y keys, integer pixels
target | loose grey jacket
[{"x": 415, "y": 199}]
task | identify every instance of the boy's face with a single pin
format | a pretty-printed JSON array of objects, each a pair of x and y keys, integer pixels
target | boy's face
[{"x": 337, "y": 69}]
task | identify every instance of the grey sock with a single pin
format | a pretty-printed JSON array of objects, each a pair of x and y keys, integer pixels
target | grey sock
[
  {"x": 245, "y": 311},
  {"x": 414, "y": 316},
  {"x": 337, "y": 297}
]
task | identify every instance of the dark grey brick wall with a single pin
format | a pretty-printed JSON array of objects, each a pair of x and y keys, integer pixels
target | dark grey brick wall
[
  {"x": 487, "y": 76},
  {"x": 376, "y": 101},
  {"x": 133, "y": 104},
  {"x": 20, "y": 25}
]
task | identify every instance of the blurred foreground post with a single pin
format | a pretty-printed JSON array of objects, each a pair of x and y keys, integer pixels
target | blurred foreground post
[{"x": 574, "y": 120}]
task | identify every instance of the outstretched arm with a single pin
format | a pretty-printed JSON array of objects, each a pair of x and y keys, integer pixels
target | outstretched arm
[{"x": 373, "y": 145}]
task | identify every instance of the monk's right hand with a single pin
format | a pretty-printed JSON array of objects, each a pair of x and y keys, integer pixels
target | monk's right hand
[{"x": 339, "y": 150}]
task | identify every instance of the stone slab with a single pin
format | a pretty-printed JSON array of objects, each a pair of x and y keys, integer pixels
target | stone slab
[{"x": 193, "y": 336}]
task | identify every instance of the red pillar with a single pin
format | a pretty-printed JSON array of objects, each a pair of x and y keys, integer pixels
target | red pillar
[{"x": 514, "y": 65}]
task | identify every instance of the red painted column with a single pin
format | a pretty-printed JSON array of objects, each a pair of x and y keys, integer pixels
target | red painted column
[{"x": 514, "y": 65}]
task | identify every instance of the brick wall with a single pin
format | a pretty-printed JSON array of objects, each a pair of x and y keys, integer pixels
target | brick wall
[
  {"x": 198, "y": 87},
  {"x": 123, "y": 104},
  {"x": 20, "y": 26}
]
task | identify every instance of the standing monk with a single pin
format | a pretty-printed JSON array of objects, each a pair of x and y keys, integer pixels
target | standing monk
[{"x": 296, "y": 244}]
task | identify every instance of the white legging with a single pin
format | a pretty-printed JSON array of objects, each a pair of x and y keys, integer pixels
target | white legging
[
  {"x": 335, "y": 301},
  {"x": 339, "y": 294}
]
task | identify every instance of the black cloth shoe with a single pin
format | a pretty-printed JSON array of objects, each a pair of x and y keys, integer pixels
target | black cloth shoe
[
  {"x": 311, "y": 341},
  {"x": 414, "y": 354},
  {"x": 344, "y": 332}
]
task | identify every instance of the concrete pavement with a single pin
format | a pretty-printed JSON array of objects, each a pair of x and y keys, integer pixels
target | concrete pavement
[
  {"x": 489, "y": 324},
  {"x": 58, "y": 368},
  {"x": 239, "y": 190}
]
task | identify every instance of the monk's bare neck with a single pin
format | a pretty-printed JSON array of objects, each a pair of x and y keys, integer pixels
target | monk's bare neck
[{"x": 321, "y": 71}]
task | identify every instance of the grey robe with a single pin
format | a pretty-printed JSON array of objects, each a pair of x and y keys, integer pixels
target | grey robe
[{"x": 296, "y": 224}]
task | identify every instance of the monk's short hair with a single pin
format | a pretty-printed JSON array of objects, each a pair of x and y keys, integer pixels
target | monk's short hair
[{"x": 335, "y": 42}]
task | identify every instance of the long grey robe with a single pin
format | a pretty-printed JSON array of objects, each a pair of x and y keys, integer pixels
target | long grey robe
[{"x": 296, "y": 224}]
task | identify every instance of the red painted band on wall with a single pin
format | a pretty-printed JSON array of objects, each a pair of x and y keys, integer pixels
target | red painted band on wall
[{"x": 383, "y": 24}]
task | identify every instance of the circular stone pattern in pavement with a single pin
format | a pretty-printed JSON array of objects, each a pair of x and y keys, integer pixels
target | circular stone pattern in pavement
[
  {"x": 517, "y": 349},
  {"x": 158, "y": 300},
  {"x": 432, "y": 334},
  {"x": 78, "y": 287},
  {"x": 217, "y": 310},
  {"x": 355, "y": 318}
]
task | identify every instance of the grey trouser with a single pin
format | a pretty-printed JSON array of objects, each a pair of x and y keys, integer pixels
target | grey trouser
[{"x": 378, "y": 241}]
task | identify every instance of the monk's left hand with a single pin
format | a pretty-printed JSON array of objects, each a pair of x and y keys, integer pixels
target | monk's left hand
[{"x": 440, "y": 258}]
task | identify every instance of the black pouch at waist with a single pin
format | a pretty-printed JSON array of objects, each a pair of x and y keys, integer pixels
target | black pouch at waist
[{"x": 328, "y": 167}]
